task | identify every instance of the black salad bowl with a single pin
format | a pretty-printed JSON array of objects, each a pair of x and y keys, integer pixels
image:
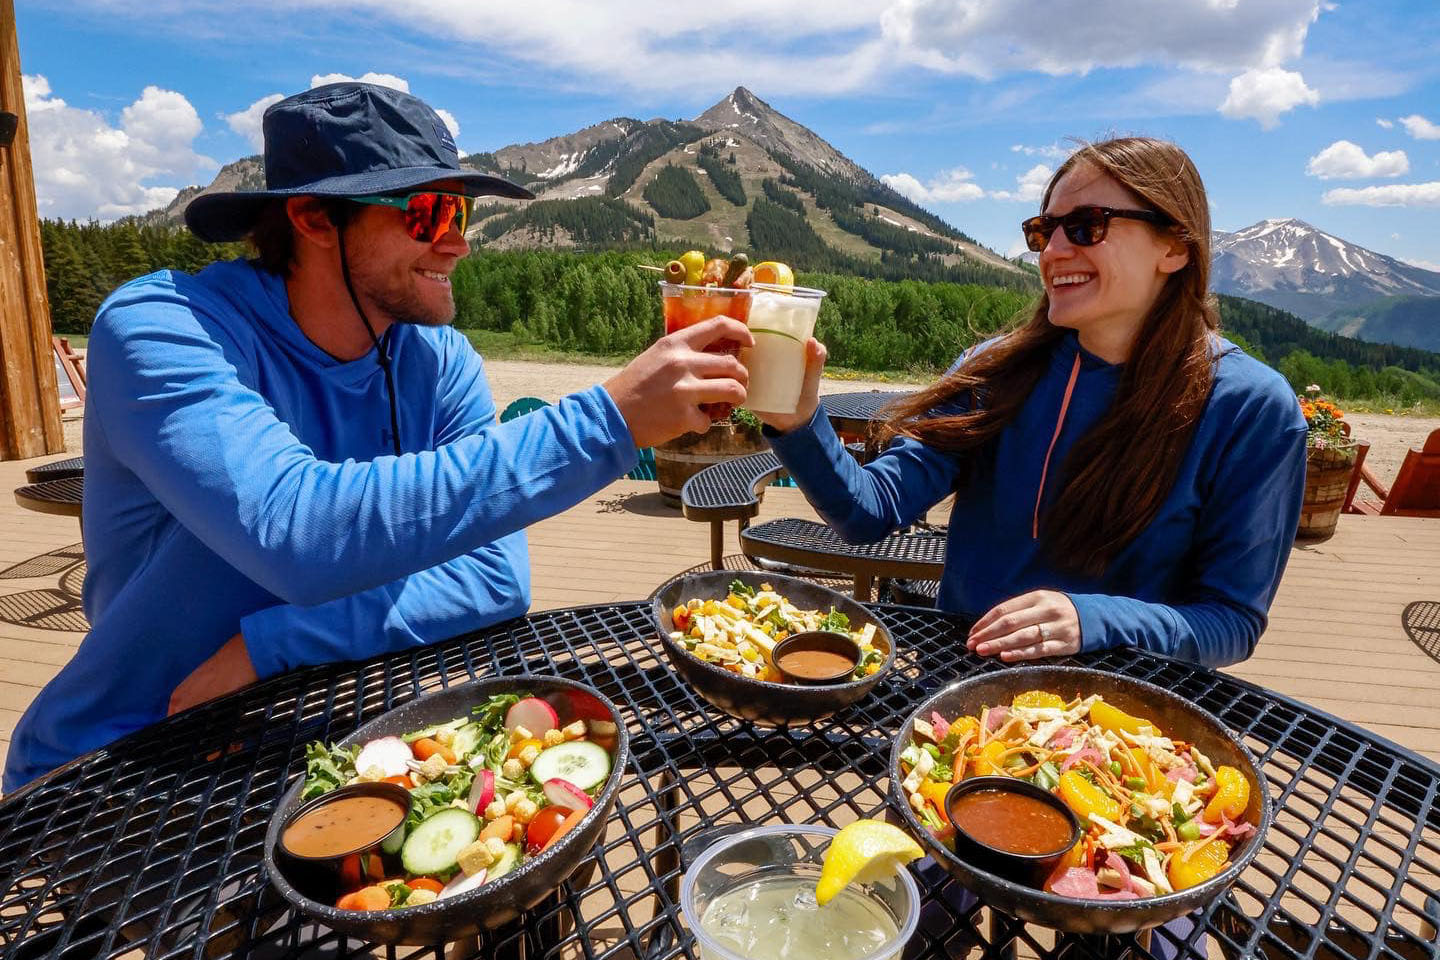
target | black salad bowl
[
  {"x": 764, "y": 701},
  {"x": 1177, "y": 717},
  {"x": 499, "y": 901}
]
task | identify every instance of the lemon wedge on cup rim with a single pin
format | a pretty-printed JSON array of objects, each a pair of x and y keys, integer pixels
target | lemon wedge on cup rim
[
  {"x": 774, "y": 273},
  {"x": 867, "y": 851}
]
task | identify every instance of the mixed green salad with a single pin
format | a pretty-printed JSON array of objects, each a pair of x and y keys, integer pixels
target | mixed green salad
[{"x": 488, "y": 791}]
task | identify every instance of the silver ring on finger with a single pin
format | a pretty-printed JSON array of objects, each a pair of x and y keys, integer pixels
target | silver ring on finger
[{"x": 1044, "y": 634}]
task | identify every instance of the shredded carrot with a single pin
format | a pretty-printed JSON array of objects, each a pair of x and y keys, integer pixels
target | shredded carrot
[
  {"x": 958, "y": 772},
  {"x": 1165, "y": 846}
]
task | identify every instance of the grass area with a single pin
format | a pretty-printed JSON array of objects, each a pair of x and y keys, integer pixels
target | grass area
[
  {"x": 1420, "y": 408},
  {"x": 497, "y": 345}
]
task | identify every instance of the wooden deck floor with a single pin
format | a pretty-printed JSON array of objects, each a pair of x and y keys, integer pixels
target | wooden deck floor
[{"x": 1335, "y": 638}]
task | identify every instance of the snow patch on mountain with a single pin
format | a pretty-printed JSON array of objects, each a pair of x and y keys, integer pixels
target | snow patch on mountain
[{"x": 1290, "y": 264}]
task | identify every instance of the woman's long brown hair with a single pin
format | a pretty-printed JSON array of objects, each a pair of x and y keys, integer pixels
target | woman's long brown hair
[{"x": 1120, "y": 472}]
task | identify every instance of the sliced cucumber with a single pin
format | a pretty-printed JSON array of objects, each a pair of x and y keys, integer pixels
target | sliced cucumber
[
  {"x": 581, "y": 762},
  {"x": 467, "y": 740},
  {"x": 506, "y": 862},
  {"x": 394, "y": 840},
  {"x": 434, "y": 846},
  {"x": 431, "y": 731}
]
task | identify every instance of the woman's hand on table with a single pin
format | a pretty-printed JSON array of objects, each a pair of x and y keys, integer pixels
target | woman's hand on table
[
  {"x": 815, "y": 355},
  {"x": 227, "y": 670},
  {"x": 1041, "y": 623}
]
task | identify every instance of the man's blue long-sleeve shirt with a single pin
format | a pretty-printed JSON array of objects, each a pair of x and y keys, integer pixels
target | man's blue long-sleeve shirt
[
  {"x": 238, "y": 478},
  {"x": 1197, "y": 583}
]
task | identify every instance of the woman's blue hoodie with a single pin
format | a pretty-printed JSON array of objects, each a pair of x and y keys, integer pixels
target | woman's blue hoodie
[{"x": 1196, "y": 583}]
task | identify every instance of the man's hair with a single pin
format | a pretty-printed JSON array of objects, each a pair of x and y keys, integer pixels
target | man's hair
[{"x": 273, "y": 235}]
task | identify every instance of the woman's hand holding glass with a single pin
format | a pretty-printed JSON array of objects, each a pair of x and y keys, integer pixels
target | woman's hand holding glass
[
  {"x": 815, "y": 355},
  {"x": 1041, "y": 623}
]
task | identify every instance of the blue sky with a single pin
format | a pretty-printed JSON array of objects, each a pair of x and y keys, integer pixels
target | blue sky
[{"x": 1329, "y": 112}]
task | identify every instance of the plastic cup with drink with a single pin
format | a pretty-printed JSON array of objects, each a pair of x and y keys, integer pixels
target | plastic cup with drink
[
  {"x": 688, "y": 303},
  {"x": 781, "y": 319}
]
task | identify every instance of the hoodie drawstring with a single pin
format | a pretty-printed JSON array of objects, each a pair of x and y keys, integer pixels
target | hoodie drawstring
[{"x": 1059, "y": 424}]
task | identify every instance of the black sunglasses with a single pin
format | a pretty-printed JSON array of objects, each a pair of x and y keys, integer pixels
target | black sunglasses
[{"x": 1084, "y": 226}]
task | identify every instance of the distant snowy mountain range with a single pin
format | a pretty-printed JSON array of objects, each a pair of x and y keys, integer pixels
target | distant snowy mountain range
[
  {"x": 1297, "y": 267},
  {"x": 1329, "y": 282}
]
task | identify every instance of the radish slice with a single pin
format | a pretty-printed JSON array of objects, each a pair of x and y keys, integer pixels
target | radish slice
[
  {"x": 462, "y": 884},
  {"x": 534, "y": 715},
  {"x": 482, "y": 791},
  {"x": 389, "y": 754},
  {"x": 563, "y": 793}
]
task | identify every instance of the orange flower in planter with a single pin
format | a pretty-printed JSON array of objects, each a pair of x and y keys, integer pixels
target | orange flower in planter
[{"x": 1325, "y": 420}]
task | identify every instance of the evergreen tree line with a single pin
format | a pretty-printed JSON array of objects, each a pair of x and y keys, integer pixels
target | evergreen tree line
[
  {"x": 84, "y": 262},
  {"x": 639, "y": 150},
  {"x": 604, "y": 303},
  {"x": 832, "y": 193},
  {"x": 778, "y": 233},
  {"x": 589, "y": 221},
  {"x": 778, "y": 194},
  {"x": 726, "y": 180},
  {"x": 675, "y": 195},
  {"x": 887, "y": 236}
]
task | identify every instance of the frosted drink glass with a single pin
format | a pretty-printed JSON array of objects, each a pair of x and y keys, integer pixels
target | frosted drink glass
[{"x": 781, "y": 321}]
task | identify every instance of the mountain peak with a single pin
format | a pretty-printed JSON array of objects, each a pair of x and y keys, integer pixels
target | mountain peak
[
  {"x": 1298, "y": 267},
  {"x": 744, "y": 113}
]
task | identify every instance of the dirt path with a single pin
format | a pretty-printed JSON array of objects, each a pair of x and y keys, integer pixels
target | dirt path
[{"x": 1389, "y": 436}]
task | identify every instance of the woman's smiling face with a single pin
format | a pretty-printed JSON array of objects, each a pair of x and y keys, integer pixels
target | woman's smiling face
[{"x": 1106, "y": 290}]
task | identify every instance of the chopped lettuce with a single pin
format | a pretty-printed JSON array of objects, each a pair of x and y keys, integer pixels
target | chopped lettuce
[
  {"x": 491, "y": 714},
  {"x": 741, "y": 589},
  {"x": 835, "y": 622},
  {"x": 327, "y": 768}
]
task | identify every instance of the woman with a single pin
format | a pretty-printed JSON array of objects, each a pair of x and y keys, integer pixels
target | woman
[{"x": 1123, "y": 476}]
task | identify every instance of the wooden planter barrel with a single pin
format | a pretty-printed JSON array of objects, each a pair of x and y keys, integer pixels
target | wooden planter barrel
[
  {"x": 1327, "y": 477},
  {"x": 682, "y": 458}
]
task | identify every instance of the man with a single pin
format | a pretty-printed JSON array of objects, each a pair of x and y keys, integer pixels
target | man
[{"x": 294, "y": 460}]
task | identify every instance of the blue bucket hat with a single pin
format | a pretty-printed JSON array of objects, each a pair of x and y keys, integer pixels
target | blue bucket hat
[{"x": 345, "y": 140}]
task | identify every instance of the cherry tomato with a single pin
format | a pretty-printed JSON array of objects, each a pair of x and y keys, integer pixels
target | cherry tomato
[{"x": 546, "y": 822}]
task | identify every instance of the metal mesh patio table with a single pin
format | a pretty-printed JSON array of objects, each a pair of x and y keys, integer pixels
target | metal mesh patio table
[
  {"x": 153, "y": 844},
  {"x": 56, "y": 470}
]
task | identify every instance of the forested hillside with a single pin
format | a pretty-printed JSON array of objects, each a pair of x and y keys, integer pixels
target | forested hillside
[{"x": 84, "y": 262}]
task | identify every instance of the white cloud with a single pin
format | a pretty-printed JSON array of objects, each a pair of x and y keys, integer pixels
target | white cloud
[
  {"x": 1420, "y": 128},
  {"x": 1264, "y": 94},
  {"x": 248, "y": 122},
  {"x": 1343, "y": 160},
  {"x": 1422, "y": 264},
  {"x": 1052, "y": 152},
  {"x": 85, "y": 166},
  {"x": 642, "y": 45},
  {"x": 985, "y": 38},
  {"x": 951, "y": 186},
  {"x": 1390, "y": 195},
  {"x": 1387, "y": 124},
  {"x": 1030, "y": 185},
  {"x": 379, "y": 79}
]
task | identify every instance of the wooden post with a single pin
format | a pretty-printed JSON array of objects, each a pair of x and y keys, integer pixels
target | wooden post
[{"x": 29, "y": 397}]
